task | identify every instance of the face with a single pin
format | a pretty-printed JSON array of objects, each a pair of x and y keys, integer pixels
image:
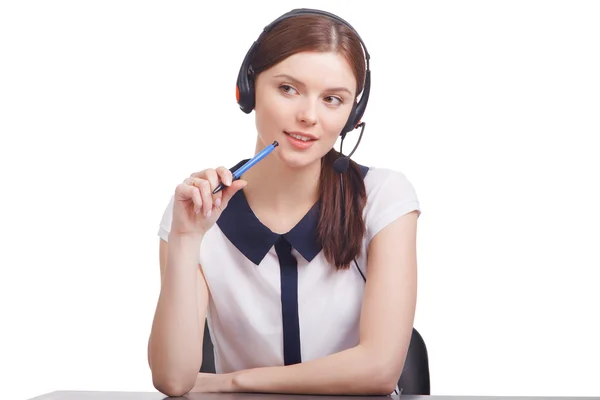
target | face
[{"x": 309, "y": 95}]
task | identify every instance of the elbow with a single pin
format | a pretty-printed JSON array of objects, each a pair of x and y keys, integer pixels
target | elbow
[
  {"x": 172, "y": 386},
  {"x": 382, "y": 386},
  {"x": 383, "y": 378},
  {"x": 169, "y": 380}
]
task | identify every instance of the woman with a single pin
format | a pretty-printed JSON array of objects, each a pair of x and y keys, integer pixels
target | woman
[{"x": 305, "y": 275}]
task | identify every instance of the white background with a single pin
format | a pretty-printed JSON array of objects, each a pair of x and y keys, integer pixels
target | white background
[{"x": 491, "y": 109}]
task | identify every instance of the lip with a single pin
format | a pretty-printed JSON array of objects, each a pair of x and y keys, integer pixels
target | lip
[
  {"x": 300, "y": 144},
  {"x": 308, "y": 135}
]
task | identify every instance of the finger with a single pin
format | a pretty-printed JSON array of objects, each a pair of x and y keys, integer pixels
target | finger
[
  {"x": 225, "y": 175},
  {"x": 188, "y": 191},
  {"x": 228, "y": 192},
  {"x": 198, "y": 174},
  {"x": 196, "y": 198},
  {"x": 226, "y": 178},
  {"x": 206, "y": 195},
  {"x": 213, "y": 179}
]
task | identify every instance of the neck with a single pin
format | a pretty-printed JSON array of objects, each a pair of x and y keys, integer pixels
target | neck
[{"x": 274, "y": 186}]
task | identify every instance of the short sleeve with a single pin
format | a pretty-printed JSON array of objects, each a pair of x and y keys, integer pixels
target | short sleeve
[
  {"x": 390, "y": 195},
  {"x": 165, "y": 222}
]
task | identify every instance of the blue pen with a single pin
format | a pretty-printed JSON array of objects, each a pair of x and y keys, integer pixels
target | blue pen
[{"x": 238, "y": 173}]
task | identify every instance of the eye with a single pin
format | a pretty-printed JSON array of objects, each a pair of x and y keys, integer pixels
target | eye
[
  {"x": 287, "y": 89},
  {"x": 333, "y": 99}
]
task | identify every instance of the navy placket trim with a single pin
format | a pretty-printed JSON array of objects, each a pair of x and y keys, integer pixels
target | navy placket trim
[{"x": 289, "y": 302}]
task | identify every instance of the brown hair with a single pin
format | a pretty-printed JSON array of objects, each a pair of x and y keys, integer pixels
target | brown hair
[{"x": 341, "y": 227}]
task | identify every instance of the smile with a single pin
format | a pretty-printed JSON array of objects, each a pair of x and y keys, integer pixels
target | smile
[
  {"x": 305, "y": 137},
  {"x": 300, "y": 141}
]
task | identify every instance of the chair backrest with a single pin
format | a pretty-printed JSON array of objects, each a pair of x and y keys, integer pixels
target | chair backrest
[
  {"x": 413, "y": 380},
  {"x": 208, "y": 354},
  {"x": 415, "y": 375}
]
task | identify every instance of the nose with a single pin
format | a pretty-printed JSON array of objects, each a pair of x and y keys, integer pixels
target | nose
[{"x": 307, "y": 112}]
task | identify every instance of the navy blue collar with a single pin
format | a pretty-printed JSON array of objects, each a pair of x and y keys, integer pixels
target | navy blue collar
[{"x": 245, "y": 231}]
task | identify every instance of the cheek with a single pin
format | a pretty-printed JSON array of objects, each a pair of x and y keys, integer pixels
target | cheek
[
  {"x": 333, "y": 123},
  {"x": 272, "y": 113}
]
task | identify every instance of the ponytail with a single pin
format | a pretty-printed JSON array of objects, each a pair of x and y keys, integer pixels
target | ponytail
[{"x": 341, "y": 227}]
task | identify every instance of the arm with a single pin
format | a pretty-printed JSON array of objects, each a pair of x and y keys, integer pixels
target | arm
[
  {"x": 175, "y": 343},
  {"x": 375, "y": 364}
]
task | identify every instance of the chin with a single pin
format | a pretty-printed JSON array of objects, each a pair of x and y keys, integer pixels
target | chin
[{"x": 298, "y": 160}]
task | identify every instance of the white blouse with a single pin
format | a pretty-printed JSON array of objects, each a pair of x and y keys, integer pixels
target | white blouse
[{"x": 274, "y": 299}]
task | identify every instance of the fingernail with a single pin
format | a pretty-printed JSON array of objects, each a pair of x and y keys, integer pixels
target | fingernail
[
  {"x": 218, "y": 202},
  {"x": 198, "y": 210},
  {"x": 208, "y": 213}
]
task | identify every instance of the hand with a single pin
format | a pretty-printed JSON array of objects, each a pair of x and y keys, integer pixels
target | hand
[
  {"x": 195, "y": 208},
  {"x": 215, "y": 383}
]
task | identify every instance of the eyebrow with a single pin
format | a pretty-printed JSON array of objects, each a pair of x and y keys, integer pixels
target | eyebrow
[{"x": 291, "y": 78}]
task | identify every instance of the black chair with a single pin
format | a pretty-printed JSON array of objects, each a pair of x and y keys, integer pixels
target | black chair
[
  {"x": 415, "y": 374},
  {"x": 208, "y": 355},
  {"x": 413, "y": 380}
]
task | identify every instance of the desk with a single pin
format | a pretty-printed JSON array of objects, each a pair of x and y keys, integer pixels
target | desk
[{"x": 73, "y": 395}]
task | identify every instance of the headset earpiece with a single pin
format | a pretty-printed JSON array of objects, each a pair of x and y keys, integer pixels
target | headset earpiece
[
  {"x": 244, "y": 88},
  {"x": 358, "y": 109}
]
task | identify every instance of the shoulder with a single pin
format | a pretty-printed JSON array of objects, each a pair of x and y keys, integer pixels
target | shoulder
[
  {"x": 378, "y": 179},
  {"x": 390, "y": 195}
]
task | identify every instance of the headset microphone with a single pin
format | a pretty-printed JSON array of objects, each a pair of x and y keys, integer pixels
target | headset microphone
[{"x": 343, "y": 162}]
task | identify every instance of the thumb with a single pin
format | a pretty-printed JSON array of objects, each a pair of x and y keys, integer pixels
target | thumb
[{"x": 229, "y": 191}]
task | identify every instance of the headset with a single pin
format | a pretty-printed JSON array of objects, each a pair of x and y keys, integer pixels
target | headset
[{"x": 244, "y": 89}]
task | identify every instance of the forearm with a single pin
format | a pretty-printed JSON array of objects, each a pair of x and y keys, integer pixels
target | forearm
[
  {"x": 175, "y": 344},
  {"x": 350, "y": 372}
]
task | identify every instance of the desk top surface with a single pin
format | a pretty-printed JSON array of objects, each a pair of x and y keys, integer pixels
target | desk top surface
[{"x": 83, "y": 395}]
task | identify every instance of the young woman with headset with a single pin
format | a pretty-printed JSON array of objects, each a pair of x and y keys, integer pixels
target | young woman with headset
[{"x": 305, "y": 268}]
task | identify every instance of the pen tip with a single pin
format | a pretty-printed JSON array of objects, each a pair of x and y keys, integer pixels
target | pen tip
[{"x": 275, "y": 144}]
